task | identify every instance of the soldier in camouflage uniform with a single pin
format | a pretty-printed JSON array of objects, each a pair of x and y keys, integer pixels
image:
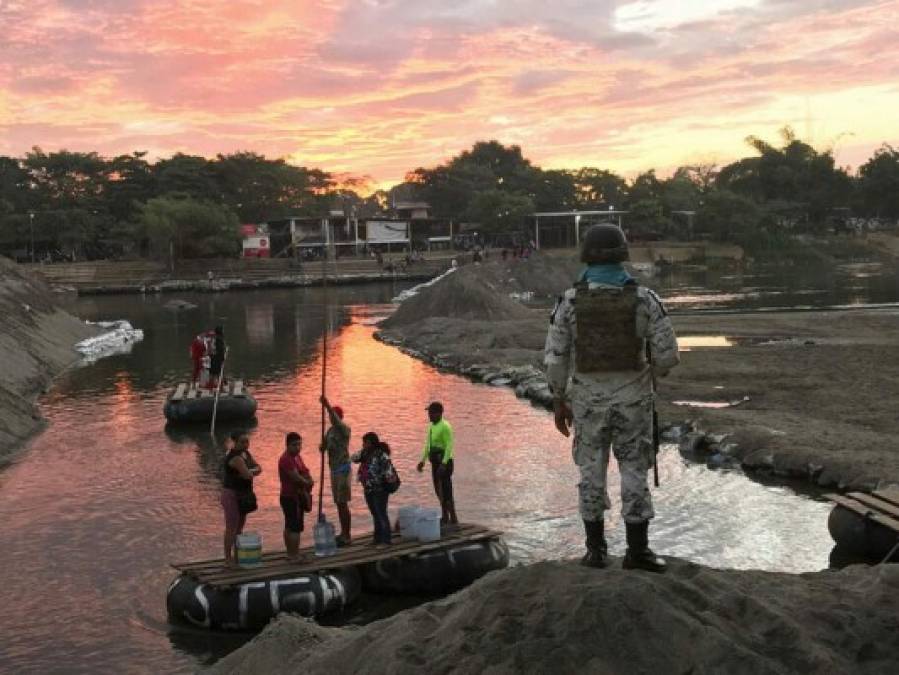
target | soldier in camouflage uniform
[{"x": 608, "y": 339}]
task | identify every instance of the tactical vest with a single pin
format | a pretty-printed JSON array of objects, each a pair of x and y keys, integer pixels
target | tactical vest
[{"x": 607, "y": 337}]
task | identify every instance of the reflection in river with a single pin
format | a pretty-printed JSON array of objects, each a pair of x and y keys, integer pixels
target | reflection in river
[
  {"x": 95, "y": 509},
  {"x": 761, "y": 286}
]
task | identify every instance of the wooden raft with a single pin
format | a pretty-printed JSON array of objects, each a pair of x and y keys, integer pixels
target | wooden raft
[
  {"x": 276, "y": 566},
  {"x": 881, "y": 506}
]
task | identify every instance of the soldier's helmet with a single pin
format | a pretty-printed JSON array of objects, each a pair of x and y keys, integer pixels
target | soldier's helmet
[{"x": 604, "y": 243}]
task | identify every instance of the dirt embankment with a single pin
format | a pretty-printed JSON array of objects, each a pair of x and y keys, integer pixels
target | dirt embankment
[
  {"x": 820, "y": 385},
  {"x": 559, "y": 617},
  {"x": 36, "y": 339}
]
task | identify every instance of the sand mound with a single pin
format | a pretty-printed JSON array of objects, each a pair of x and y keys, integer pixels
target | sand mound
[
  {"x": 562, "y": 618},
  {"x": 542, "y": 276},
  {"x": 461, "y": 295},
  {"x": 283, "y": 639},
  {"x": 36, "y": 339}
]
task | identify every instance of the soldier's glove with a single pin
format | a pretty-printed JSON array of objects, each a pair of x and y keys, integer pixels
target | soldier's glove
[{"x": 563, "y": 416}]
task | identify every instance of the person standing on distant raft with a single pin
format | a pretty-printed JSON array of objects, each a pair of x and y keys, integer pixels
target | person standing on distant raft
[
  {"x": 439, "y": 451},
  {"x": 600, "y": 333},
  {"x": 197, "y": 354},
  {"x": 337, "y": 445},
  {"x": 218, "y": 357}
]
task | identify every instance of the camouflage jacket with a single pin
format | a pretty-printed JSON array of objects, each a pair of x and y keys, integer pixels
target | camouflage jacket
[{"x": 653, "y": 326}]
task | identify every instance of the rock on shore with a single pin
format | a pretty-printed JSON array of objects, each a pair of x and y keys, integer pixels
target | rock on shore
[
  {"x": 36, "y": 343},
  {"x": 559, "y": 617}
]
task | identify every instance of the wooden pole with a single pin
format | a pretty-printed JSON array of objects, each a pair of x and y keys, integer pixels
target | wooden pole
[
  {"x": 218, "y": 389},
  {"x": 321, "y": 475}
]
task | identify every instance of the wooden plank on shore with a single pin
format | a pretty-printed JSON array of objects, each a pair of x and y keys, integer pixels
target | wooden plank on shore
[
  {"x": 276, "y": 565},
  {"x": 875, "y": 503},
  {"x": 179, "y": 392},
  {"x": 865, "y": 511}
]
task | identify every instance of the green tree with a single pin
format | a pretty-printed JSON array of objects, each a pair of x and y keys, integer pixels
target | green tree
[
  {"x": 554, "y": 191},
  {"x": 598, "y": 188},
  {"x": 67, "y": 196},
  {"x": 259, "y": 189},
  {"x": 498, "y": 210},
  {"x": 188, "y": 175},
  {"x": 878, "y": 184},
  {"x": 13, "y": 186},
  {"x": 129, "y": 181},
  {"x": 489, "y": 166},
  {"x": 795, "y": 175},
  {"x": 188, "y": 228},
  {"x": 728, "y": 216},
  {"x": 64, "y": 179}
]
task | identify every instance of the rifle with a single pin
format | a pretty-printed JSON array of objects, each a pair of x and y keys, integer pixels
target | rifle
[{"x": 656, "y": 435}]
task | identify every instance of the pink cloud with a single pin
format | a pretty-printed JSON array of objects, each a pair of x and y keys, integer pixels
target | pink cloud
[{"x": 379, "y": 88}]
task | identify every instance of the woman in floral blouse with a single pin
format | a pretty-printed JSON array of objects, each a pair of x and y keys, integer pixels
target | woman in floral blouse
[{"x": 379, "y": 480}]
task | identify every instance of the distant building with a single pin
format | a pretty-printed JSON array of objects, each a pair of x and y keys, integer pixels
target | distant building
[
  {"x": 256, "y": 243},
  {"x": 412, "y": 210}
]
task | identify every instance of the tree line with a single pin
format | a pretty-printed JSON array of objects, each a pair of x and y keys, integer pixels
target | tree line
[
  {"x": 184, "y": 205},
  {"x": 190, "y": 206},
  {"x": 779, "y": 189}
]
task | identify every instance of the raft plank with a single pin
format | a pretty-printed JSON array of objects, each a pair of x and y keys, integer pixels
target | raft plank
[
  {"x": 881, "y": 505},
  {"x": 179, "y": 392},
  {"x": 237, "y": 390},
  {"x": 227, "y": 577},
  {"x": 276, "y": 565},
  {"x": 890, "y": 495},
  {"x": 861, "y": 509},
  {"x": 361, "y": 541}
]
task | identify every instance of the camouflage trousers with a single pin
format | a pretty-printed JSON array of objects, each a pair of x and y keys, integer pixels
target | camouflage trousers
[{"x": 625, "y": 428}]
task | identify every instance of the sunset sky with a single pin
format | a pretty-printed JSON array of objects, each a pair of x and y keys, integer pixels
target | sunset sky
[{"x": 379, "y": 87}]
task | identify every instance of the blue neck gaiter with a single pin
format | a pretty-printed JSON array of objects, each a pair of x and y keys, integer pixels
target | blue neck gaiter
[{"x": 609, "y": 274}]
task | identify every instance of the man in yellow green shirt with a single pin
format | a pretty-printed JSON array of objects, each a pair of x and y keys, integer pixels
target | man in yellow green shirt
[{"x": 438, "y": 451}]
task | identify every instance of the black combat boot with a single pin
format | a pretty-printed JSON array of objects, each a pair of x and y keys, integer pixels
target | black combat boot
[
  {"x": 597, "y": 551},
  {"x": 639, "y": 556}
]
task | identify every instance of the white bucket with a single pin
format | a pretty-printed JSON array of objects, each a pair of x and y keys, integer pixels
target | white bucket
[
  {"x": 427, "y": 525},
  {"x": 249, "y": 549},
  {"x": 407, "y": 517}
]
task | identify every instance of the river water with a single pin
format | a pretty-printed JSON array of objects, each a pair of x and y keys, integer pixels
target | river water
[{"x": 97, "y": 506}]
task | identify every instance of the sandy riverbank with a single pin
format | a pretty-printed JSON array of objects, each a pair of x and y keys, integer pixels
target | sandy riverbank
[
  {"x": 819, "y": 384},
  {"x": 36, "y": 344},
  {"x": 559, "y": 617}
]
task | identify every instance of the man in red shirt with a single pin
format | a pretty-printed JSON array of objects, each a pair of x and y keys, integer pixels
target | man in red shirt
[{"x": 296, "y": 492}]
